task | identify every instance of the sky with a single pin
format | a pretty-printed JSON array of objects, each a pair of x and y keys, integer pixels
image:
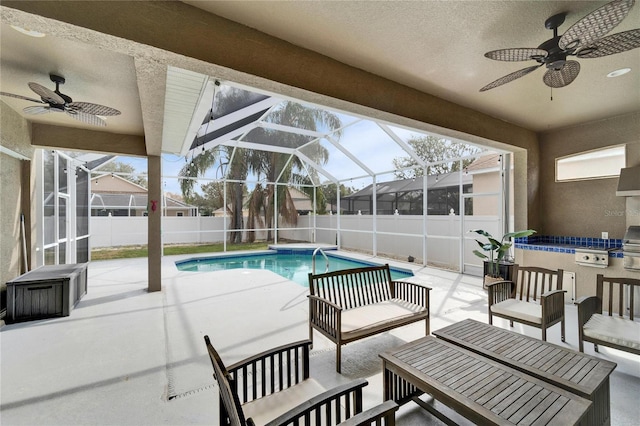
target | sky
[{"x": 364, "y": 139}]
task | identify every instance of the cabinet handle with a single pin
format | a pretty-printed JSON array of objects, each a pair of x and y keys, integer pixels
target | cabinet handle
[{"x": 39, "y": 288}]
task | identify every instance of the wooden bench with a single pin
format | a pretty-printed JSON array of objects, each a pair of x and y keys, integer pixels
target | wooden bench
[
  {"x": 616, "y": 327},
  {"x": 273, "y": 388},
  {"x": 352, "y": 304},
  {"x": 535, "y": 297}
]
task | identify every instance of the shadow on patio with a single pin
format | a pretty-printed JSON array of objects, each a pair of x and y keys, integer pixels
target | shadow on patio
[{"x": 125, "y": 356}]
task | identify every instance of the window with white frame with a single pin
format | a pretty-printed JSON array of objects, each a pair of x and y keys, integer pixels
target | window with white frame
[{"x": 596, "y": 164}]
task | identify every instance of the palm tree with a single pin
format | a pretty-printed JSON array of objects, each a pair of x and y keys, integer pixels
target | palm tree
[
  {"x": 272, "y": 164},
  {"x": 265, "y": 165}
]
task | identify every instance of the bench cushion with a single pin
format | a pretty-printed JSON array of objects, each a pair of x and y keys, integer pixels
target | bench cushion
[
  {"x": 519, "y": 310},
  {"x": 366, "y": 319},
  {"x": 616, "y": 330},
  {"x": 267, "y": 408}
]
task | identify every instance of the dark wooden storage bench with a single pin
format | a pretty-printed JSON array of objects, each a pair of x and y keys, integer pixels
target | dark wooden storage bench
[{"x": 48, "y": 291}]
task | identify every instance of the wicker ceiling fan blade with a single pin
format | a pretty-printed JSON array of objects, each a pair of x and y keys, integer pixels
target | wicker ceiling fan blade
[
  {"x": 12, "y": 95},
  {"x": 37, "y": 110},
  {"x": 595, "y": 25},
  {"x": 510, "y": 77},
  {"x": 615, "y": 43},
  {"x": 47, "y": 95},
  {"x": 94, "y": 109},
  {"x": 563, "y": 76},
  {"x": 517, "y": 54},
  {"x": 86, "y": 118}
]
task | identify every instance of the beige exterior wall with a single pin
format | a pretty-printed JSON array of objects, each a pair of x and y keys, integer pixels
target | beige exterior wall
[
  {"x": 241, "y": 54},
  {"x": 587, "y": 208},
  {"x": 16, "y": 191}
]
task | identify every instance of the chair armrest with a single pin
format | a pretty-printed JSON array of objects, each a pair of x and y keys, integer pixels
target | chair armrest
[
  {"x": 385, "y": 411},
  {"x": 411, "y": 292},
  {"x": 552, "y": 305},
  {"x": 587, "y": 306},
  {"x": 347, "y": 396},
  {"x": 499, "y": 291},
  {"x": 325, "y": 315},
  {"x": 271, "y": 371}
]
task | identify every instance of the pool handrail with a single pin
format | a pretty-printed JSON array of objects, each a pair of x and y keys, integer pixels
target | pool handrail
[{"x": 313, "y": 259}]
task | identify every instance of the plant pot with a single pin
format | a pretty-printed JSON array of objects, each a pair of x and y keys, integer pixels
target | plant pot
[{"x": 505, "y": 272}]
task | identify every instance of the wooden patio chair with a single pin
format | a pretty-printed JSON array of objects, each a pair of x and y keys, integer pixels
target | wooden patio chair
[
  {"x": 535, "y": 297},
  {"x": 274, "y": 388}
]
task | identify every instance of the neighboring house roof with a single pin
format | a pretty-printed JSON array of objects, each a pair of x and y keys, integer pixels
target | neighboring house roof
[
  {"x": 490, "y": 161},
  {"x": 406, "y": 185},
  {"x": 301, "y": 201},
  {"x": 133, "y": 201},
  {"x": 114, "y": 192},
  {"x": 115, "y": 184}
]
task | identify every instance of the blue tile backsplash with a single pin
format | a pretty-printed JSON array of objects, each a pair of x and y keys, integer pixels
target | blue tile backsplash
[{"x": 558, "y": 244}]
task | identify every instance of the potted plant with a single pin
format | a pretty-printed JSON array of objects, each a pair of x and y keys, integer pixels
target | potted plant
[{"x": 497, "y": 250}]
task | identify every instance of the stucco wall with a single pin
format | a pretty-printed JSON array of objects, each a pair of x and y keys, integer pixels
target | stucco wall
[
  {"x": 586, "y": 208},
  {"x": 15, "y": 190}
]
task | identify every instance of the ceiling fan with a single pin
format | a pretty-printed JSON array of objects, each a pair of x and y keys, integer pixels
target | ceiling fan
[
  {"x": 583, "y": 40},
  {"x": 55, "y": 101}
]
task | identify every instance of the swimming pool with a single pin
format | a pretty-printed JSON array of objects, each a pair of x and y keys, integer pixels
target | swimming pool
[{"x": 293, "y": 265}]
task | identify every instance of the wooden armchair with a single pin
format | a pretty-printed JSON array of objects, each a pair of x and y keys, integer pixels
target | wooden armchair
[
  {"x": 274, "y": 388},
  {"x": 615, "y": 327},
  {"x": 535, "y": 297}
]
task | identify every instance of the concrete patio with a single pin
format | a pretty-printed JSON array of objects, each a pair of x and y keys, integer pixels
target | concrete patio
[{"x": 126, "y": 356}]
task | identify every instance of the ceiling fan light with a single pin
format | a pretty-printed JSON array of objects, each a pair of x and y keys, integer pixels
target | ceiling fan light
[
  {"x": 26, "y": 31},
  {"x": 618, "y": 73}
]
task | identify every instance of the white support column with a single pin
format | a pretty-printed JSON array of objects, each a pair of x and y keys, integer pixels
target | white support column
[
  {"x": 275, "y": 213},
  {"x": 462, "y": 214},
  {"x": 339, "y": 215},
  {"x": 424, "y": 216},
  {"x": 315, "y": 214},
  {"x": 375, "y": 216},
  {"x": 224, "y": 215}
]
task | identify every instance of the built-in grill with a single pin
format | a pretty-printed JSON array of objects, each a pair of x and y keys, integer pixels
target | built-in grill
[
  {"x": 591, "y": 256},
  {"x": 631, "y": 248}
]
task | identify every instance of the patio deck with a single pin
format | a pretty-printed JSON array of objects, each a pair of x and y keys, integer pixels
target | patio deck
[{"x": 126, "y": 356}]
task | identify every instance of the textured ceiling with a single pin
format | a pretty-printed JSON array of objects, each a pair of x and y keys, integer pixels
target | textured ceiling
[
  {"x": 434, "y": 46},
  {"x": 438, "y": 47}
]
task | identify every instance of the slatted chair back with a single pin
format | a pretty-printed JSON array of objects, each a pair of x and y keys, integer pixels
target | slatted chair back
[
  {"x": 617, "y": 295},
  {"x": 271, "y": 372},
  {"x": 351, "y": 288},
  {"x": 532, "y": 282},
  {"x": 230, "y": 411}
]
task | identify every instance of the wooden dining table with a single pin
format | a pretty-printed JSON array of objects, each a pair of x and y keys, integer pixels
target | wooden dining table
[{"x": 480, "y": 389}]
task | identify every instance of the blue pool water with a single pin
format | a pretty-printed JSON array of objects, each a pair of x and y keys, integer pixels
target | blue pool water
[{"x": 294, "y": 266}]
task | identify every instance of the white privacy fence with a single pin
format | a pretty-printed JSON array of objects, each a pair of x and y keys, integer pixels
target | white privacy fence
[{"x": 395, "y": 236}]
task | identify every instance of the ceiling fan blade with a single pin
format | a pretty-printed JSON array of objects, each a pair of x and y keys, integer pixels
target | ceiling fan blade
[
  {"x": 615, "y": 43},
  {"x": 589, "y": 29},
  {"x": 516, "y": 54},
  {"x": 37, "y": 110},
  {"x": 562, "y": 77},
  {"x": 47, "y": 95},
  {"x": 510, "y": 77},
  {"x": 86, "y": 118},
  {"x": 94, "y": 109},
  {"x": 11, "y": 95}
]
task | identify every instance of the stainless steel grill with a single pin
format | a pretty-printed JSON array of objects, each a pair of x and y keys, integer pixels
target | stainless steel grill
[{"x": 631, "y": 248}]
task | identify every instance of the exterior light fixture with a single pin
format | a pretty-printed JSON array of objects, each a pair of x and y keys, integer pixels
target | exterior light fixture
[{"x": 618, "y": 73}]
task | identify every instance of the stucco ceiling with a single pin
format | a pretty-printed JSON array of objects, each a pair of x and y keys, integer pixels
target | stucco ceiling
[
  {"x": 438, "y": 47},
  {"x": 434, "y": 46}
]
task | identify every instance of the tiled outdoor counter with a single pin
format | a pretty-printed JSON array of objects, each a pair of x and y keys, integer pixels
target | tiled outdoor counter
[{"x": 555, "y": 252}]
